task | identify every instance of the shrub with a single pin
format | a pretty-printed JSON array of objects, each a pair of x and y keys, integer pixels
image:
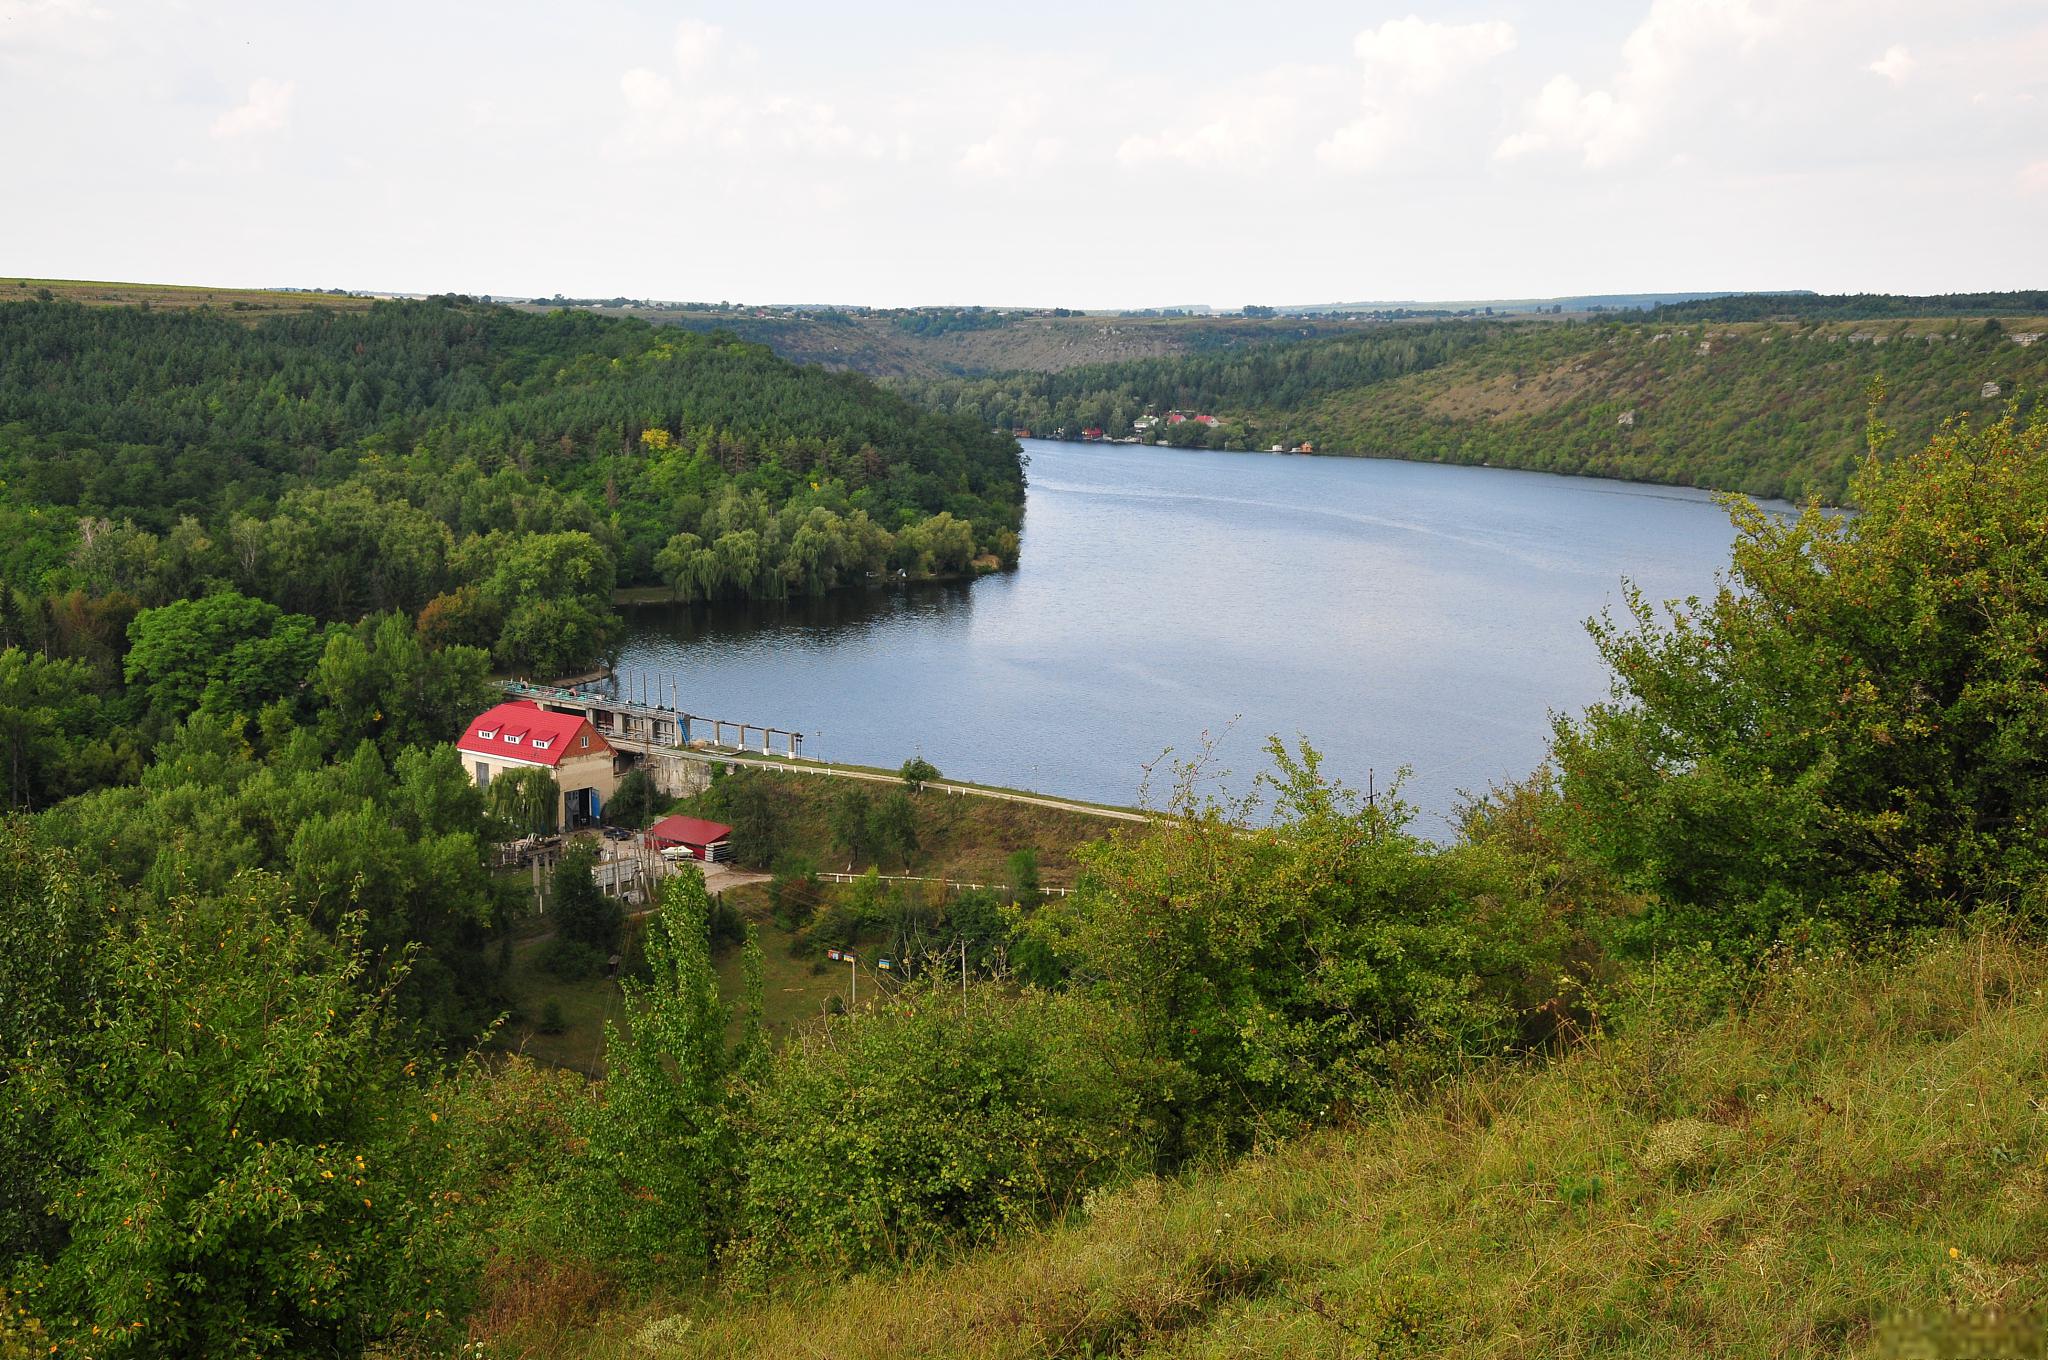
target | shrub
[
  {"x": 551, "y": 1021},
  {"x": 1023, "y": 867},
  {"x": 794, "y": 893},
  {"x": 723, "y": 927},
  {"x": 258, "y": 1176},
  {"x": 664, "y": 1143},
  {"x": 892, "y": 825},
  {"x": 851, "y": 820},
  {"x": 583, "y": 913},
  {"x": 1284, "y": 974},
  {"x": 917, "y": 1125},
  {"x": 571, "y": 960},
  {"x": 1851, "y": 728},
  {"x": 917, "y": 772},
  {"x": 635, "y": 801},
  {"x": 748, "y": 803}
]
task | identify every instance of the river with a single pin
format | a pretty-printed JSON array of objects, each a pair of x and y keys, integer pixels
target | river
[{"x": 1395, "y": 614}]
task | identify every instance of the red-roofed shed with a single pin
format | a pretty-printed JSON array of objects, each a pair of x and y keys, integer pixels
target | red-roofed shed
[{"x": 710, "y": 841}]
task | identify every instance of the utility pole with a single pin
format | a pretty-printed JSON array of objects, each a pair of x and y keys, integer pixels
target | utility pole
[{"x": 963, "y": 974}]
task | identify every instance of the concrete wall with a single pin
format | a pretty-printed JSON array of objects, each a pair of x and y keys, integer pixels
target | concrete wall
[{"x": 678, "y": 776}]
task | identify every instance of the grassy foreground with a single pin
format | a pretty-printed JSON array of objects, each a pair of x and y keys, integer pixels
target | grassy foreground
[{"x": 1852, "y": 1163}]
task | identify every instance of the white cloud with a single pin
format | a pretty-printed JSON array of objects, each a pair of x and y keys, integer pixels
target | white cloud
[
  {"x": 1895, "y": 65},
  {"x": 1660, "y": 65},
  {"x": 27, "y": 22},
  {"x": 707, "y": 108},
  {"x": 1412, "y": 76},
  {"x": 265, "y": 110},
  {"x": 1362, "y": 143},
  {"x": 1563, "y": 115},
  {"x": 1241, "y": 131},
  {"x": 696, "y": 43},
  {"x": 1411, "y": 67},
  {"x": 644, "y": 90},
  {"x": 1412, "y": 54},
  {"x": 1006, "y": 155},
  {"x": 808, "y": 125}
]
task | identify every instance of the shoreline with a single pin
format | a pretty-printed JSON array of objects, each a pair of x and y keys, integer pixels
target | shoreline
[{"x": 1440, "y": 462}]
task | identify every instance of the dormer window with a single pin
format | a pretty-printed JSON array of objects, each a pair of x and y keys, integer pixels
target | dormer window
[
  {"x": 542, "y": 743},
  {"x": 487, "y": 734},
  {"x": 514, "y": 738}
]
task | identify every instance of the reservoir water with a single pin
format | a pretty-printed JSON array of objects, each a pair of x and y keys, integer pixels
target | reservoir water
[{"x": 1393, "y": 613}]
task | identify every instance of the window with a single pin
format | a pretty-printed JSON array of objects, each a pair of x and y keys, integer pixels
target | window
[
  {"x": 483, "y": 775},
  {"x": 585, "y": 741},
  {"x": 542, "y": 743},
  {"x": 487, "y": 734}
]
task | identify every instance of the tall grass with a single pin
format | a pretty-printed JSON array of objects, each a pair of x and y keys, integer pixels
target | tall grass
[{"x": 1850, "y": 1160}]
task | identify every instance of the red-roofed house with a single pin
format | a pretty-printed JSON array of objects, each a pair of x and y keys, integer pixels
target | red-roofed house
[
  {"x": 710, "y": 841},
  {"x": 523, "y": 735}
]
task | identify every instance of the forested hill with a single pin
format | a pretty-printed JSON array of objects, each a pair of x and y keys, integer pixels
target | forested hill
[
  {"x": 498, "y": 472},
  {"x": 1852, "y": 306},
  {"x": 1770, "y": 409}
]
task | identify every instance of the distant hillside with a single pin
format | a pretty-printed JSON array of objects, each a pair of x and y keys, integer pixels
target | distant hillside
[
  {"x": 247, "y": 303},
  {"x": 1853, "y": 306},
  {"x": 1770, "y": 409},
  {"x": 928, "y": 343},
  {"x": 1578, "y": 303}
]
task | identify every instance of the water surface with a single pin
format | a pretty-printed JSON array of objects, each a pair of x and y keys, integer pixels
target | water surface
[{"x": 1393, "y": 613}]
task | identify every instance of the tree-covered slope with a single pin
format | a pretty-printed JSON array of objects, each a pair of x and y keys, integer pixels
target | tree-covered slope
[
  {"x": 1770, "y": 409},
  {"x": 1852, "y": 306},
  {"x": 344, "y": 462}
]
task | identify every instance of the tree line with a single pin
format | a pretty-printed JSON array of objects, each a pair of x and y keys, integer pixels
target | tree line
[{"x": 498, "y": 473}]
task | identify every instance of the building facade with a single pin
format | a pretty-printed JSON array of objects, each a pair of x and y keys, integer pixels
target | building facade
[{"x": 520, "y": 735}]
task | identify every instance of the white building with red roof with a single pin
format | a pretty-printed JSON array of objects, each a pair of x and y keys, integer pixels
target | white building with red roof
[{"x": 521, "y": 735}]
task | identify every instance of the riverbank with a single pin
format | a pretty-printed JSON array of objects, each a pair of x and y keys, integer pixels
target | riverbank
[
  {"x": 631, "y": 597},
  {"x": 1388, "y": 456}
]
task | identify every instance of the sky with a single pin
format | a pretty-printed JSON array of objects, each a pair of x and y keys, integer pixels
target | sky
[{"x": 1057, "y": 154}]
